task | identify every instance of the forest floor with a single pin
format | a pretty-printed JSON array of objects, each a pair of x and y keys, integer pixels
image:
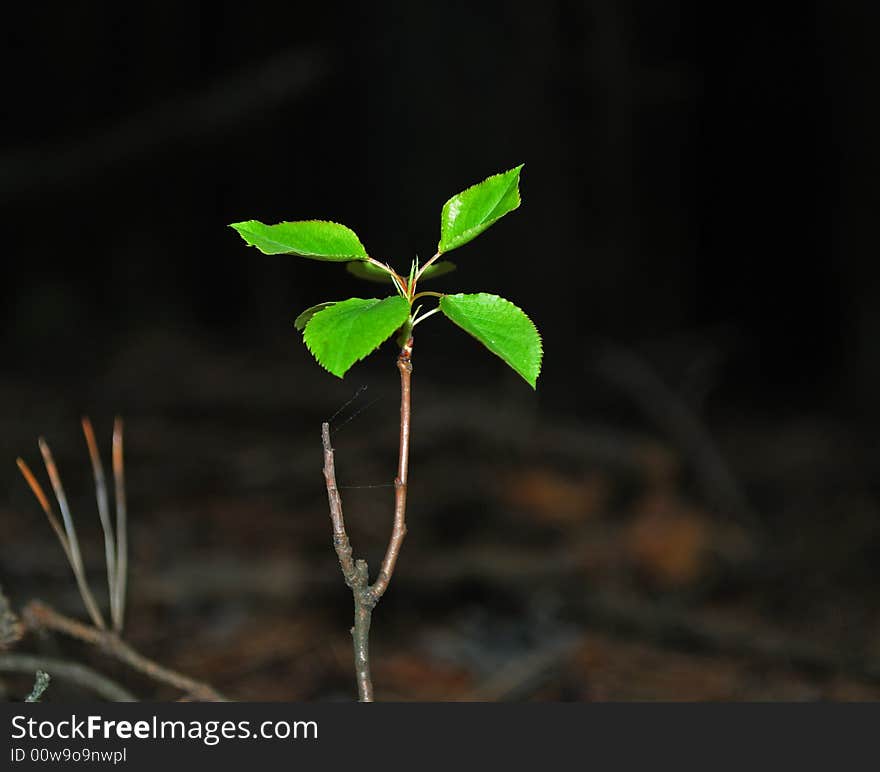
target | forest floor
[{"x": 549, "y": 556}]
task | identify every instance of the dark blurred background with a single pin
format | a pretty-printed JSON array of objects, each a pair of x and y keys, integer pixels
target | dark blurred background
[{"x": 692, "y": 489}]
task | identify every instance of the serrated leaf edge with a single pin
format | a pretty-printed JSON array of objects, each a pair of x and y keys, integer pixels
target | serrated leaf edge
[
  {"x": 357, "y": 238},
  {"x": 311, "y": 311},
  {"x": 528, "y": 318},
  {"x": 360, "y": 358},
  {"x": 486, "y": 224}
]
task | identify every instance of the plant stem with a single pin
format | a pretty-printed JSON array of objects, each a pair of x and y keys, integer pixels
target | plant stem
[
  {"x": 39, "y": 615},
  {"x": 425, "y": 315},
  {"x": 356, "y": 572},
  {"x": 426, "y": 266},
  {"x": 389, "y": 270},
  {"x": 427, "y": 294},
  {"x": 398, "y": 531},
  {"x": 364, "y": 603}
]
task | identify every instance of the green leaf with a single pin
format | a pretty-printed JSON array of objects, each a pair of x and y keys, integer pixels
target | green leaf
[
  {"x": 317, "y": 239},
  {"x": 438, "y": 269},
  {"x": 303, "y": 319},
  {"x": 341, "y": 334},
  {"x": 501, "y": 327},
  {"x": 371, "y": 272},
  {"x": 468, "y": 214}
]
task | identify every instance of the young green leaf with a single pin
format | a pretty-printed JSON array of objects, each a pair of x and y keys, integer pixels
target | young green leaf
[
  {"x": 501, "y": 327},
  {"x": 438, "y": 269},
  {"x": 369, "y": 272},
  {"x": 316, "y": 239},
  {"x": 341, "y": 334},
  {"x": 468, "y": 214},
  {"x": 303, "y": 319},
  {"x": 372, "y": 272}
]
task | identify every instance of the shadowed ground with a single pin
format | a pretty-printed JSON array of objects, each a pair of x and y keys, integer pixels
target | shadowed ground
[{"x": 550, "y": 556}]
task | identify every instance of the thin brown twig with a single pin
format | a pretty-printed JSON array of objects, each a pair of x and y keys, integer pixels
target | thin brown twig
[
  {"x": 356, "y": 572},
  {"x": 398, "y": 532},
  {"x": 38, "y": 615},
  {"x": 340, "y": 538},
  {"x": 77, "y": 674},
  {"x": 121, "y": 524},
  {"x": 104, "y": 516},
  {"x": 43, "y": 500},
  {"x": 74, "y": 554}
]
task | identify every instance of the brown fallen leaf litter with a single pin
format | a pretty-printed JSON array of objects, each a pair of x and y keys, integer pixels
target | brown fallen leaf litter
[{"x": 549, "y": 557}]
